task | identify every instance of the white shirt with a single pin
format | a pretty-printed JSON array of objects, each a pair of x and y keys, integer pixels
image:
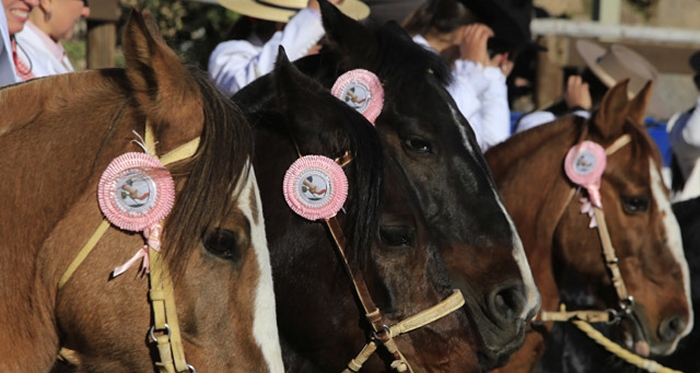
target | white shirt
[
  {"x": 684, "y": 137},
  {"x": 536, "y": 118},
  {"x": 481, "y": 95},
  {"x": 7, "y": 65},
  {"x": 236, "y": 63},
  {"x": 41, "y": 53}
]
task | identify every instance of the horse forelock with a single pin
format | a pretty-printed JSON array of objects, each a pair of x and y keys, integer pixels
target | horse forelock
[{"x": 211, "y": 176}]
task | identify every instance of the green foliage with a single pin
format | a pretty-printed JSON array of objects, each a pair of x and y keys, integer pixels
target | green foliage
[{"x": 191, "y": 28}]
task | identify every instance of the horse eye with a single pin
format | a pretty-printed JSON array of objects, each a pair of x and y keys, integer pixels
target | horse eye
[
  {"x": 222, "y": 243},
  {"x": 418, "y": 144},
  {"x": 397, "y": 235},
  {"x": 636, "y": 204}
]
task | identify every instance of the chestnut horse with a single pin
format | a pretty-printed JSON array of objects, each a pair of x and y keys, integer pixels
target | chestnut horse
[
  {"x": 432, "y": 144},
  {"x": 641, "y": 282},
  {"x": 388, "y": 246},
  {"x": 569, "y": 350},
  {"x": 58, "y": 136}
]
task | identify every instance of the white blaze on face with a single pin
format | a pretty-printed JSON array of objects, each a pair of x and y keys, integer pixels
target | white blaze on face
[
  {"x": 673, "y": 232},
  {"x": 265, "y": 319},
  {"x": 533, "y": 295}
]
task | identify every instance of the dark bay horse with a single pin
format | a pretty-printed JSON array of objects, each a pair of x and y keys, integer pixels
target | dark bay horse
[
  {"x": 58, "y": 136},
  {"x": 432, "y": 144},
  {"x": 636, "y": 249},
  {"x": 388, "y": 245}
]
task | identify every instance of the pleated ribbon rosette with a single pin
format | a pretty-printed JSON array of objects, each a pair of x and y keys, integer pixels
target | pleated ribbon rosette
[
  {"x": 584, "y": 165},
  {"x": 135, "y": 193},
  {"x": 315, "y": 187},
  {"x": 361, "y": 90}
]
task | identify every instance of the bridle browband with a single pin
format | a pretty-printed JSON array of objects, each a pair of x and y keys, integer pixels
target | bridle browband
[
  {"x": 161, "y": 291},
  {"x": 611, "y": 262},
  {"x": 381, "y": 333}
]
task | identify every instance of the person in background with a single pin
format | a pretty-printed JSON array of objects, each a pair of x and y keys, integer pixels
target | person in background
[
  {"x": 479, "y": 63},
  {"x": 39, "y": 43},
  {"x": 262, "y": 28},
  {"x": 12, "y": 20},
  {"x": 684, "y": 138},
  {"x": 604, "y": 68}
]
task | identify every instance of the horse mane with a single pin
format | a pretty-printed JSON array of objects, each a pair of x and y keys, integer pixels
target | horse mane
[{"x": 206, "y": 195}]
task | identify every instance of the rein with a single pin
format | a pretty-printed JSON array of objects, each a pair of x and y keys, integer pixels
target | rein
[
  {"x": 382, "y": 334},
  {"x": 161, "y": 292}
]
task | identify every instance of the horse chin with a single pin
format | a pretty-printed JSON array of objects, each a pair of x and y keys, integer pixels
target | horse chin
[
  {"x": 492, "y": 357},
  {"x": 637, "y": 338}
]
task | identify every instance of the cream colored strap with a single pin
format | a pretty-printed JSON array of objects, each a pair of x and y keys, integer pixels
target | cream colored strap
[
  {"x": 165, "y": 318},
  {"x": 438, "y": 311},
  {"x": 563, "y": 315},
  {"x": 611, "y": 259},
  {"x": 83, "y": 253},
  {"x": 636, "y": 360}
]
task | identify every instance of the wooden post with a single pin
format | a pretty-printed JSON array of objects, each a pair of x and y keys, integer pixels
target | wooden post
[
  {"x": 102, "y": 34},
  {"x": 549, "y": 79}
]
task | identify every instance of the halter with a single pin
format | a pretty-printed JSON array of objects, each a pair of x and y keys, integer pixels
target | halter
[
  {"x": 381, "y": 333},
  {"x": 161, "y": 292},
  {"x": 611, "y": 262}
]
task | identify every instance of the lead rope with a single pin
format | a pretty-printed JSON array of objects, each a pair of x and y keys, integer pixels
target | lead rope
[
  {"x": 381, "y": 333},
  {"x": 582, "y": 318},
  {"x": 161, "y": 293}
]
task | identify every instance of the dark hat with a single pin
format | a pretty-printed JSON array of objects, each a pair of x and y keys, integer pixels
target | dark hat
[{"x": 509, "y": 19}]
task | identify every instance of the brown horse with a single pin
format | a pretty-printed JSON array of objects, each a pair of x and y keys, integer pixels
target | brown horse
[
  {"x": 433, "y": 145},
  {"x": 58, "y": 136},
  {"x": 389, "y": 247},
  {"x": 642, "y": 245}
]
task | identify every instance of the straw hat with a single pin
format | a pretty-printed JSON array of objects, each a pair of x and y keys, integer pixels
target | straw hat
[
  {"x": 619, "y": 62},
  {"x": 283, "y": 10}
]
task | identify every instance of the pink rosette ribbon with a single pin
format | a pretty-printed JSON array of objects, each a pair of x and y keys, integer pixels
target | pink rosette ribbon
[
  {"x": 584, "y": 165},
  {"x": 152, "y": 236}
]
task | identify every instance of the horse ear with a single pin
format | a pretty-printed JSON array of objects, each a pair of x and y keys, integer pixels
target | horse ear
[
  {"x": 612, "y": 111},
  {"x": 313, "y": 132},
  {"x": 346, "y": 35},
  {"x": 638, "y": 106},
  {"x": 164, "y": 89}
]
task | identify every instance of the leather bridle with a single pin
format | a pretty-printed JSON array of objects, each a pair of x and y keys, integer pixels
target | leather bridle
[
  {"x": 381, "y": 333},
  {"x": 611, "y": 262}
]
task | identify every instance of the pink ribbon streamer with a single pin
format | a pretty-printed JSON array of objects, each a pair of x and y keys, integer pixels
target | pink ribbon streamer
[
  {"x": 587, "y": 208},
  {"x": 152, "y": 236}
]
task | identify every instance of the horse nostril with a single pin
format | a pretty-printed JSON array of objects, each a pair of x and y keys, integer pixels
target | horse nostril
[
  {"x": 508, "y": 303},
  {"x": 671, "y": 328}
]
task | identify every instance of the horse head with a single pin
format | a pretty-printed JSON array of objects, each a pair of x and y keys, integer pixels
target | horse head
[
  {"x": 432, "y": 144},
  {"x": 321, "y": 311},
  {"x": 600, "y": 232},
  {"x": 210, "y": 289}
]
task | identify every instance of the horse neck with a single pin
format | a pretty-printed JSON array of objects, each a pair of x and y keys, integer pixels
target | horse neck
[
  {"x": 536, "y": 207},
  {"x": 63, "y": 147}
]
